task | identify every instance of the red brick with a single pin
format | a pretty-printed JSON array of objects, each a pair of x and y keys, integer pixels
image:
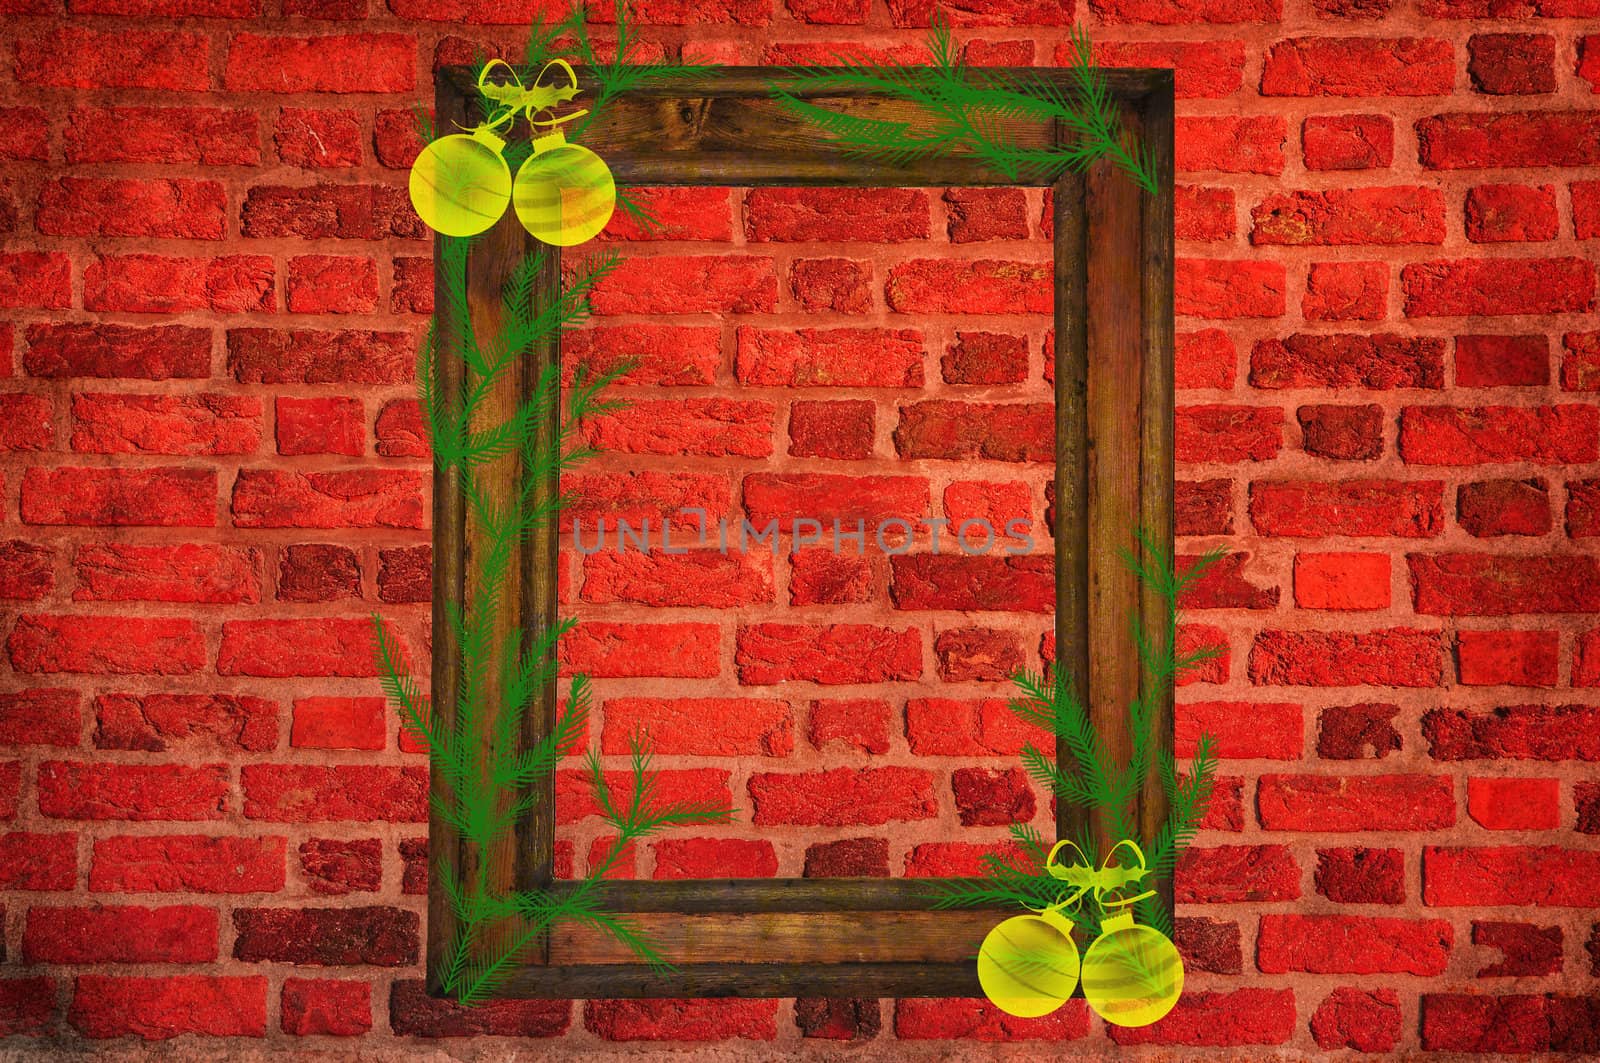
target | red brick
[
  {"x": 1227, "y": 433},
  {"x": 1580, "y": 361},
  {"x": 1508, "y": 658},
  {"x": 978, "y": 1020},
  {"x": 39, "y": 717},
  {"x": 1239, "y": 1017},
  {"x": 414, "y": 858},
  {"x": 1501, "y": 286},
  {"x": 1478, "y": 140},
  {"x": 1313, "y": 509},
  {"x": 189, "y": 863},
  {"x": 1346, "y": 944},
  {"x": 194, "y": 135},
  {"x": 1378, "y": 215},
  {"x": 1236, "y": 874},
  {"x": 1170, "y": 12},
  {"x": 1242, "y": 730},
  {"x": 1514, "y": 875},
  {"x": 75, "y": 56},
  {"x": 977, "y": 655},
  {"x": 1204, "y": 508},
  {"x": 405, "y": 574},
  {"x": 1205, "y": 359},
  {"x": 27, "y": 1006},
  {"x": 331, "y": 866},
  {"x": 96, "y": 350},
  {"x": 1202, "y": 69},
  {"x": 1381, "y": 361},
  {"x": 292, "y": 793},
  {"x": 1204, "y": 214},
  {"x": 193, "y": 723},
  {"x": 1230, "y": 144},
  {"x": 25, "y": 422},
  {"x": 979, "y": 214},
  {"x": 1367, "y": 1020},
  {"x": 790, "y": 497},
  {"x": 703, "y": 214},
  {"x": 152, "y": 497},
  {"x": 985, "y": 358},
  {"x": 327, "y": 211},
  {"x": 1329, "y": 803},
  {"x": 842, "y": 430},
  {"x": 171, "y": 8},
  {"x": 1500, "y": 213},
  {"x": 1225, "y": 585},
  {"x": 992, "y": 797},
  {"x": 945, "y": 581},
  {"x": 687, "y": 284},
  {"x": 1526, "y": 950},
  {"x": 827, "y": 654},
  {"x": 1549, "y": 435},
  {"x": 1504, "y": 507},
  {"x": 1343, "y": 433},
  {"x": 343, "y": 63},
  {"x": 27, "y": 134},
  {"x": 679, "y": 858},
  {"x": 849, "y": 858},
  {"x": 968, "y": 431},
  {"x": 1214, "y": 288},
  {"x": 400, "y": 431},
  {"x": 714, "y": 426},
  {"x": 956, "y": 859},
  {"x": 156, "y": 1009},
  {"x": 1210, "y": 945},
  {"x": 705, "y": 727},
  {"x": 681, "y": 1020},
  {"x": 1347, "y": 142},
  {"x": 888, "y": 215},
  {"x": 1586, "y": 199},
  {"x": 1500, "y": 1025},
  {"x": 173, "y": 207},
  {"x": 1194, "y": 637},
  {"x": 359, "y": 498},
  {"x": 39, "y": 861},
  {"x": 412, "y": 292},
  {"x": 165, "y": 424},
  {"x": 1346, "y": 291},
  {"x": 694, "y": 578},
  {"x": 1341, "y": 581},
  {"x": 1359, "y": 66},
  {"x": 815, "y": 53},
  {"x": 838, "y": 284},
  {"x": 838, "y": 1018},
  {"x": 869, "y": 796},
  {"x": 385, "y": 937},
  {"x": 947, "y": 727},
  {"x": 1502, "y": 361},
  {"x": 76, "y": 790},
  {"x": 664, "y": 355},
  {"x": 1583, "y": 509},
  {"x": 1361, "y": 876},
  {"x": 332, "y": 284},
  {"x": 333, "y": 425},
  {"x": 35, "y": 280},
  {"x": 318, "y": 572},
  {"x": 850, "y": 724},
  {"x": 318, "y": 138},
  {"x": 120, "y": 934},
  {"x": 312, "y": 1007},
  {"x": 193, "y": 573},
  {"x": 1514, "y": 804},
  {"x": 413, "y": 1013},
  {"x": 606, "y": 650},
  {"x": 1512, "y": 64},
  {"x": 338, "y": 723},
  {"x": 978, "y": 286},
  {"x": 305, "y": 646},
  {"x": 27, "y": 571},
  {"x": 1513, "y": 732},
  {"x": 1000, "y": 503},
  {"x": 1586, "y": 660},
  {"x": 105, "y": 645}
]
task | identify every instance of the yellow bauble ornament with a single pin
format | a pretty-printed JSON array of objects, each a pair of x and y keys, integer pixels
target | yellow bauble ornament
[
  {"x": 1132, "y": 975},
  {"x": 564, "y": 193},
  {"x": 460, "y": 183},
  {"x": 1028, "y": 965}
]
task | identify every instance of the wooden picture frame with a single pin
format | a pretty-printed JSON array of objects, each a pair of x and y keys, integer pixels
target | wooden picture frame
[{"x": 1114, "y": 472}]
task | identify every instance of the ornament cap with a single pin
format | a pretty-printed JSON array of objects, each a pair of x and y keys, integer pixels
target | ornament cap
[
  {"x": 549, "y": 142},
  {"x": 1116, "y": 921},
  {"x": 485, "y": 136}
]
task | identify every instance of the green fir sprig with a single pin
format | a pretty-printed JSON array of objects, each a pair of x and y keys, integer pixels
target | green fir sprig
[
  {"x": 1087, "y": 776},
  {"x": 966, "y": 109}
]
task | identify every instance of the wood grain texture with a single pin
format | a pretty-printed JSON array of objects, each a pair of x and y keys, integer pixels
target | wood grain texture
[{"x": 1113, "y": 270}]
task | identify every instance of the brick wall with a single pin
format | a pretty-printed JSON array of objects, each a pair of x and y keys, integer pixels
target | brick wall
[{"x": 210, "y": 291}]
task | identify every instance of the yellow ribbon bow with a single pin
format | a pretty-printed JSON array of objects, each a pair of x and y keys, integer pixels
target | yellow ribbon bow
[
  {"x": 1109, "y": 878},
  {"x": 539, "y": 99}
]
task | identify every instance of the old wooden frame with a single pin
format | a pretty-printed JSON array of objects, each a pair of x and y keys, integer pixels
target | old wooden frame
[{"x": 1114, "y": 455}]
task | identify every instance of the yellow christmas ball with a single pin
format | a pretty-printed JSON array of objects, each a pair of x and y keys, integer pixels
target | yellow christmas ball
[
  {"x": 564, "y": 193},
  {"x": 1028, "y": 965},
  {"x": 1132, "y": 975},
  {"x": 460, "y": 183}
]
